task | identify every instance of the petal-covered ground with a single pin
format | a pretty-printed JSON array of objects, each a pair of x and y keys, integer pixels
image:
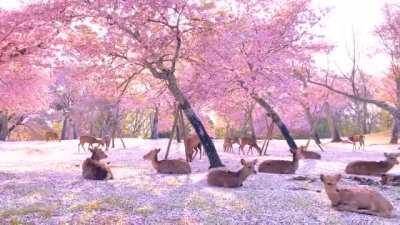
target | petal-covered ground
[{"x": 41, "y": 183}]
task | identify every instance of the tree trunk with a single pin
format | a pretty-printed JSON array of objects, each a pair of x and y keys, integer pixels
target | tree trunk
[
  {"x": 171, "y": 136},
  {"x": 3, "y": 126},
  {"x": 395, "y": 131},
  {"x": 154, "y": 125},
  {"x": 312, "y": 123},
  {"x": 252, "y": 130},
  {"x": 205, "y": 139},
  {"x": 335, "y": 135},
  {"x": 64, "y": 130},
  {"x": 364, "y": 124},
  {"x": 278, "y": 122}
]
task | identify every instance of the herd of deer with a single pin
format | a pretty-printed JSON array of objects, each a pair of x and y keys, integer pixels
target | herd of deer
[{"x": 354, "y": 199}]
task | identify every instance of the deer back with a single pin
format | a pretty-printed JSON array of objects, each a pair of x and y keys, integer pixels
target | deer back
[
  {"x": 280, "y": 166},
  {"x": 173, "y": 167},
  {"x": 368, "y": 167}
]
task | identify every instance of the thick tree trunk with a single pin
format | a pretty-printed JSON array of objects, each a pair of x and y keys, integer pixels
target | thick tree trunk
[
  {"x": 252, "y": 130},
  {"x": 395, "y": 131},
  {"x": 278, "y": 122},
  {"x": 312, "y": 123},
  {"x": 154, "y": 125},
  {"x": 64, "y": 129},
  {"x": 3, "y": 126},
  {"x": 335, "y": 135},
  {"x": 205, "y": 139}
]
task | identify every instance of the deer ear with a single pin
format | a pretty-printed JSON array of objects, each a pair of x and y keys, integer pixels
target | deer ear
[
  {"x": 243, "y": 162},
  {"x": 322, "y": 177},
  {"x": 255, "y": 162},
  {"x": 338, "y": 177},
  {"x": 158, "y": 150}
]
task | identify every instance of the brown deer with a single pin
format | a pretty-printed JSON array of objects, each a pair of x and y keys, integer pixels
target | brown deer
[
  {"x": 356, "y": 199},
  {"x": 228, "y": 145},
  {"x": 229, "y": 179},
  {"x": 93, "y": 169},
  {"x": 373, "y": 168},
  {"x": 309, "y": 154},
  {"x": 106, "y": 141},
  {"x": 281, "y": 166},
  {"x": 357, "y": 138},
  {"x": 90, "y": 140},
  {"x": 193, "y": 146},
  {"x": 167, "y": 166},
  {"x": 390, "y": 179},
  {"x": 251, "y": 143},
  {"x": 51, "y": 135}
]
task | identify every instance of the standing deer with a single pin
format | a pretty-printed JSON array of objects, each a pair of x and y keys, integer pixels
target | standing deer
[
  {"x": 106, "y": 140},
  {"x": 357, "y": 138},
  {"x": 93, "y": 169},
  {"x": 167, "y": 166},
  {"x": 356, "y": 199},
  {"x": 192, "y": 147},
  {"x": 51, "y": 135},
  {"x": 281, "y": 166},
  {"x": 90, "y": 140},
  {"x": 229, "y": 179},
  {"x": 228, "y": 143},
  {"x": 251, "y": 143},
  {"x": 372, "y": 168}
]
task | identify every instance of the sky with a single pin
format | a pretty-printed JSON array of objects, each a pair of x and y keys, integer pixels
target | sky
[{"x": 345, "y": 18}]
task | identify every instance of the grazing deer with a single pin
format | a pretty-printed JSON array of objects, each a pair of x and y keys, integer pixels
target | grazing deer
[
  {"x": 193, "y": 146},
  {"x": 229, "y": 179},
  {"x": 51, "y": 135},
  {"x": 93, "y": 169},
  {"x": 357, "y": 138},
  {"x": 281, "y": 166},
  {"x": 251, "y": 143},
  {"x": 356, "y": 199},
  {"x": 90, "y": 140},
  {"x": 309, "y": 154},
  {"x": 372, "y": 168},
  {"x": 167, "y": 166},
  {"x": 390, "y": 179}
]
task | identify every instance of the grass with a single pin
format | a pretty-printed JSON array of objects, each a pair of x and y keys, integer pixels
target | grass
[{"x": 41, "y": 209}]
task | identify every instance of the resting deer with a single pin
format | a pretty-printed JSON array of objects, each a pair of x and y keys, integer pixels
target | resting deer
[
  {"x": 251, "y": 143},
  {"x": 309, "y": 154},
  {"x": 357, "y": 138},
  {"x": 51, "y": 135},
  {"x": 229, "y": 179},
  {"x": 281, "y": 166},
  {"x": 93, "y": 169},
  {"x": 372, "y": 168},
  {"x": 356, "y": 199},
  {"x": 193, "y": 146},
  {"x": 390, "y": 179},
  {"x": 167, "y": 166},
  {"x": 90, "y": 140}
]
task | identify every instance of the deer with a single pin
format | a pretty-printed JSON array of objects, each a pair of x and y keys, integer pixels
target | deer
[
  {"x": 251, "y": 142},
  {"x": 373, "y": 168},
  {"x": 90, "y": 140},
  {"x": 281, "y": 166},
  {"x": 167, "y": 166},
  {"x": 309, "y": 154},
  {"x": 93, "y": 169},
  {"x": 51, "y": 135},
  {"x": 357, "y": 138},
  {"x": 355, "y": 199},
  {"x": 230, "y": 179},
  {"x": 193, "y": 146},
  {"x": 390, "y": 179},
  {"x": 228, "y": 143},
  {"x": 106, "y": 141}
]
